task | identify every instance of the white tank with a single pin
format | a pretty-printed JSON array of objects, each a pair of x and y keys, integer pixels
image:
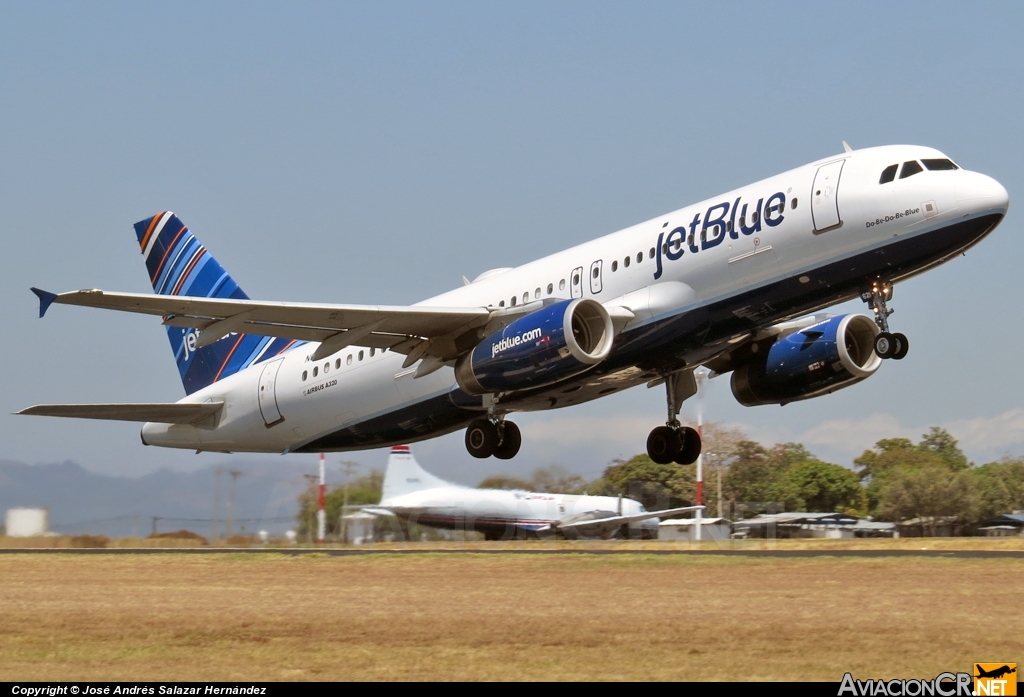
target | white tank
[{"x": 26, "y": 522}]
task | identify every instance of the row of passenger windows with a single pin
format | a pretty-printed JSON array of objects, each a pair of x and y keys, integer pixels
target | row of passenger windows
[
  {"x": 626, "y": 261},
  {"x": 912, "y": 167},
  {"x": 337, "y": 362}
]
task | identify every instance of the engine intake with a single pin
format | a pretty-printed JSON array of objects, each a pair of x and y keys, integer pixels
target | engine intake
[
  {"x": 813, "y": 361},
  {"x": 551, "y": 344}
]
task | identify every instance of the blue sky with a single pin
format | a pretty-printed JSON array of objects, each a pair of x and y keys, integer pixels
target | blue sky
[{"x": 376, "y": 152}]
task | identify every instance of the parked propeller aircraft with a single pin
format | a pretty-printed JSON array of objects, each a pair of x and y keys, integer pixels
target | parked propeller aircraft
[
  {"x": 416, "y": 496},
  {"x": 721, "y": 283}
]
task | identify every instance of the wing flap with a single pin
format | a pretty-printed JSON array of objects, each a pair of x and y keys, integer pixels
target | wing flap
[{"x": 156, "y": 412}]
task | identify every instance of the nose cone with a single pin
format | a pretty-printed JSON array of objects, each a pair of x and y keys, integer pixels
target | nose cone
[{"x": 981, "y": 194}]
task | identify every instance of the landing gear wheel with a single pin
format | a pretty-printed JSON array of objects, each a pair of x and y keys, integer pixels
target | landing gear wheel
[
  {"x": 904, "y": 346},
  {"x": 511, "y": 440},
  {"x": 663, "y": 445},
  {"x": 690, "y": 451},
  {"x": 886, "y": 345},
  {"x": 482, "y": 438}
]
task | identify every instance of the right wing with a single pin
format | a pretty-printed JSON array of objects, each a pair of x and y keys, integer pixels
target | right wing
[{"x": 161, "y": 413}]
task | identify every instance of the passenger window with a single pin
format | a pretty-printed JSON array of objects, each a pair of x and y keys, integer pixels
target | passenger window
[
  {"x": 625, "y": 262},
  {"x": 561, "y": 284},
  {"x": 639, "y": 257},
  {"x": 372, "y": 351},
  {"x": 664, "y": 248},
  {"x": 910, "y": 168},
  {"x": 689, "y": 240},
  {"x": 939, "y": 164},
  {"x": 360, "y": 355},
  {"x": 888, "y": 174},
  {"x": 315, "y": 371},
  {"x": 327, "y": 366},
  {"x": 304, "y": 375},
  {"x": 348, "y": 360},
  {"x": 651, "y": 253},
  {"x": 728, "y": 226},
  {"x": 551, "y": 288},
  {"x": 753, "y": 218},
  {"x": 513, "y": 301},
  {"x": 337, "y": 364},
  {"x": 526, "y": 297},
  {"x": 575, "y": 279},
  {"x": 615, "y": 266},
  {"x": 793, "y": 205},
  {"x": 501, "y": 303},
  {"x": 597, "y": 270},
  {"x": 536, "y": 294}
]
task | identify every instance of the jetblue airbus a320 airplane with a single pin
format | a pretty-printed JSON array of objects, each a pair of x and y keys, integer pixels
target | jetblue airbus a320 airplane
[{"x": 726, "y": 283}]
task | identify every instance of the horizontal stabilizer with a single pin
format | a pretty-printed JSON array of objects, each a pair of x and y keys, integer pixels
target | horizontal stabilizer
[{"x": 160, "y": 413}]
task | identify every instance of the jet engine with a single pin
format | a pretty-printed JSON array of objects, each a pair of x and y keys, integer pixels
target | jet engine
[
  {"x": 551, "y": 344},
  {"x": 813, "y": 361}
]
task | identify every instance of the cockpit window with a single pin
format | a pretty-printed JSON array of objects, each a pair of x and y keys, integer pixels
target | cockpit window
[
  {"x": 910, "y": 168},
  {"x": 888, "y": 174},
  {"x": 939, "y": 163}
]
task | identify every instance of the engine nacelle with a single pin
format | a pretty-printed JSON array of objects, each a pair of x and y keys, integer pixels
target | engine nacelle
[
  {"x": 551, "y": 344},
  {"x": 816, "y": 360}
]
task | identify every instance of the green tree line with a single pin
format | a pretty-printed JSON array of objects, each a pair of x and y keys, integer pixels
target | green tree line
[{"x": 896, "y": 480}]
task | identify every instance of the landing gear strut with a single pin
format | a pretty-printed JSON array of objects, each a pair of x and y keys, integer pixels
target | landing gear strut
[
  {"x": 674, "y": 442},
  {"x": 887, "y": 345}
]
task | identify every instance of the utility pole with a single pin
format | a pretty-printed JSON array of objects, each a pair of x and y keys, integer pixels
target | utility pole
[
  {"x": 235, "y": 474},
  {"x": 321, "y": 516},
  {"x": 347, "y": 467},
  {"x": 216, "y": 501},
  {"x": 312, "y": 479}
]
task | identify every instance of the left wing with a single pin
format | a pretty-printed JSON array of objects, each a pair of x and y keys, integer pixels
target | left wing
[
  {"x": 617, "y": 520},
  {"x": 417, "y": 331}
]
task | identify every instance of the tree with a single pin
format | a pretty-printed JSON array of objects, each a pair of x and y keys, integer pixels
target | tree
[
  {"x": 503, "y": 481},
  {"x": 825, "y": 487},
  {"x": 1000, "y": 487},
  {"x": 364, "y": 491},
  {"x": 551, "y": 480},
  {"x": 655, "y": 486},
  {"x": 928, "y": 493},
  {"x": 939, "y": 442}
]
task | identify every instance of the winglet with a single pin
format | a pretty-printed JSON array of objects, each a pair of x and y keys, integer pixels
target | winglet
[{"x": 46, "y": 298}]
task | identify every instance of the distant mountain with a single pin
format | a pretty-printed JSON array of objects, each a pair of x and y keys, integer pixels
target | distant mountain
[{"x": 81, "y": 501}]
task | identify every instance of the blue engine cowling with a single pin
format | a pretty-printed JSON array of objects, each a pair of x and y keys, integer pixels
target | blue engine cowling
[
  {"x": 551, "y": 344},
  {"x": 813, "y": 361}
]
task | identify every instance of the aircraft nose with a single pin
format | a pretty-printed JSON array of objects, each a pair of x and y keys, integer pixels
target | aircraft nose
[{"x": 980, "y": 193}]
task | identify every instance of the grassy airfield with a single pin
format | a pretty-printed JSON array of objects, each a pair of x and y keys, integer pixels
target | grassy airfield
[{"x": 504, "y": 616}]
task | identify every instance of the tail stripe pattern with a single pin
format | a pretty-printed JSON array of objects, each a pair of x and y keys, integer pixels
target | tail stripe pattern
[{"x": 179, "y": 265}]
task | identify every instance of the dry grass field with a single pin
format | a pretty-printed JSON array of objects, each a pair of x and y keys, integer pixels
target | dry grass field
[{"x": 462, "y": 616}]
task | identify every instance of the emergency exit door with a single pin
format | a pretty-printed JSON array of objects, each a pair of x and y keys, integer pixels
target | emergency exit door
[
  {"x": 825, "y": 197},
  {"x": 268, "y": 393}
]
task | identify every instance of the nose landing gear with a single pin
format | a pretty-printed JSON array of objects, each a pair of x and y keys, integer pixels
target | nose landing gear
[
  {"x": 674, "y": 442},
  {"x": 887, "y": 344}
]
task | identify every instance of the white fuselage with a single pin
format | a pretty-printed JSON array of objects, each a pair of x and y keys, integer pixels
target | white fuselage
[
  {"x": 491, "y": 510},
  {"x": 663, "y": 270}
]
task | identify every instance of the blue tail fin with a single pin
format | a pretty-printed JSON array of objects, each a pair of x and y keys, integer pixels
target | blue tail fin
[{"x": 179, "y": 265}]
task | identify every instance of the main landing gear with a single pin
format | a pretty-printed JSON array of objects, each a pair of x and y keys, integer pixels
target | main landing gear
[
  {"x": 674, "y": 442},
  {"x": 491, "y": 436},
  {"x": 887, "y": 345}
]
